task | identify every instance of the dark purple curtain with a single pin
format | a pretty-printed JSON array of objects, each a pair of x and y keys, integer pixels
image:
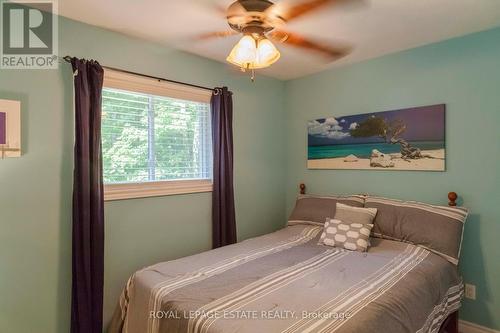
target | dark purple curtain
[
  {"x": 223, "y": 217},
  {"x": 88, "y": 200}
]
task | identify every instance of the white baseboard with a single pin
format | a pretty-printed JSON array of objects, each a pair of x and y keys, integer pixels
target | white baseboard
[{"x": 468, "y": 327}]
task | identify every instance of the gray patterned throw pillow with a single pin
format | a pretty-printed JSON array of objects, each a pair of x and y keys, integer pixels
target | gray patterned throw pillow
[{"x": 350, "y": 236}]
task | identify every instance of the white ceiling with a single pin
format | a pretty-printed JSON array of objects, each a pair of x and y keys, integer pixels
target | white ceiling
[{"x": 377, "y": 28}]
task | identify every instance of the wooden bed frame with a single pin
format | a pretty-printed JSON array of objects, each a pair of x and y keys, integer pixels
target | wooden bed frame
[{"x": 450, "y": 324}]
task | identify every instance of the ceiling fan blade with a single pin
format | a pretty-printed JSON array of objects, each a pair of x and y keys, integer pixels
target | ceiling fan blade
[
  {"x": 290, "y": 11},
  {"x": 332, "y": 53},
  {"x": 215, "y": 34}
]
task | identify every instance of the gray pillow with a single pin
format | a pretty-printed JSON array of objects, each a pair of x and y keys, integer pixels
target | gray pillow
[
  {"x": 437, "y": 228},
  {"x": 349, "y": 214},
  {"x": 350, "y": 236},
  {"x": 315, "y": 209}
]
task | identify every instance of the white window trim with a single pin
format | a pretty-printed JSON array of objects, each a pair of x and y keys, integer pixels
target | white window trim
[
  {"x": 136, "y": 83},
  {"x": 155, "y": 189},
  {"x": 145, "y": 85}
]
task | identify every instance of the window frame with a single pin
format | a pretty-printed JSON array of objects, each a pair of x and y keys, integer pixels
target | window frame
[{"x": 135, "y": 83}]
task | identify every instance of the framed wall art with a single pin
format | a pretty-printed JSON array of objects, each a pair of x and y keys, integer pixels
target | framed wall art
[
  {"x": 10, "y": 128},
  {"x": 406, "y": 139}
]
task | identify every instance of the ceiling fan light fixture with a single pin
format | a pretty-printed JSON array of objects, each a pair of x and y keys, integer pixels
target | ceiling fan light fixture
[
  {"x": 244, "y": 52},
  {"x": 267, "y": 54},
  {"x": 251, "y": 53}
]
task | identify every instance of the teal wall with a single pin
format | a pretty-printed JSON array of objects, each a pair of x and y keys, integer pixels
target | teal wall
[
  {"x": 464, "y": 73},
  {"x": 35, "y": 190}
]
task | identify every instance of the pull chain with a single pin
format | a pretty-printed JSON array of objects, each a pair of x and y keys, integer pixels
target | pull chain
[{"x": 252, "y": 72}]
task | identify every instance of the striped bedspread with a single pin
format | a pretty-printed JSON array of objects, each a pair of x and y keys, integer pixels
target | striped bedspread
[{"x": 286, "y": 282}]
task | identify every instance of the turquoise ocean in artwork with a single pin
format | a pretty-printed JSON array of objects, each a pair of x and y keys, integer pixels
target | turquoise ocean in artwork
[{"x": 363, "y": 150}]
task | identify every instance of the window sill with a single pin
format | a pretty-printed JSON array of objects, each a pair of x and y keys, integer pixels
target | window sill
[{"x": 155, "y": 189}]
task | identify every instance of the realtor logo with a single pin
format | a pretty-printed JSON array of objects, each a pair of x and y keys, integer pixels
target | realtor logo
[{"x": 29, "y": 35}]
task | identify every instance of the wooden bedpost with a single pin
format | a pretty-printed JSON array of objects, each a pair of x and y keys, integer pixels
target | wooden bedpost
[
  {"x": 450, "y": 325},
  {"x": 452, "y": 197},
  {"x": 302, "y": 187}
]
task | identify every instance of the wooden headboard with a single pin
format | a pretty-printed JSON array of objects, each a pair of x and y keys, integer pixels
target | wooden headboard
[{"x": 452, "y": 196}]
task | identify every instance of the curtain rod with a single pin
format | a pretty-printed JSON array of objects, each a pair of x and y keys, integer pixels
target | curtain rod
[{"x": 68, "y": 59}]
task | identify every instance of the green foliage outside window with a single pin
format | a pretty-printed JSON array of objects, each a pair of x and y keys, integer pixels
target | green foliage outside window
[{"x": 152, "y": 138}]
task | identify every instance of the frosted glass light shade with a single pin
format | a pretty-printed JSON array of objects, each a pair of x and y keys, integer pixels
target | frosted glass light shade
[
  {"x": 267, "y": 54},
  {"x": 244, "y": 52},
  {"x": 249, "y": 53}
]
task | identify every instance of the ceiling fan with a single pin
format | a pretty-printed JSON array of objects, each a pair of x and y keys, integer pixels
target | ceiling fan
[{"x": 262, "y": 22}]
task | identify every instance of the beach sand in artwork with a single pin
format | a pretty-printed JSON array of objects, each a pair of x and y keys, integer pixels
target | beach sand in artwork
[{"x": 436, "y": 163}]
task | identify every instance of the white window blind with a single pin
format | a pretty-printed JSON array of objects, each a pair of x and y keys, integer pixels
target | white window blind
[{"x": 153, "y": 137}]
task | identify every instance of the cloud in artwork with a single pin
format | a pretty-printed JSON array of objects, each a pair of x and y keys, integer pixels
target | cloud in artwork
[
  {"x": 316, "y": 128},
  {"x": 353, "y": 125},
  {"x": 336, "y": 135},
  {"x": 342, "y": 120},
  {"x": 329, "y": 128}
]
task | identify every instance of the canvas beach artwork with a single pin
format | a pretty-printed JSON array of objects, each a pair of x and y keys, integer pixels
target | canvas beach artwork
[
  {"x": 406, "y": 139},
  {"x": 10, "y": 128}
]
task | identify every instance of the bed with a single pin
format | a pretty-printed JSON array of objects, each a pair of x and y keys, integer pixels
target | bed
[{"x": 286, "y": 282}]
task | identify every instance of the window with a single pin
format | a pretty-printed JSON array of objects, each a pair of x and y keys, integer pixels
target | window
[{"x": 156, "y": 137}]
